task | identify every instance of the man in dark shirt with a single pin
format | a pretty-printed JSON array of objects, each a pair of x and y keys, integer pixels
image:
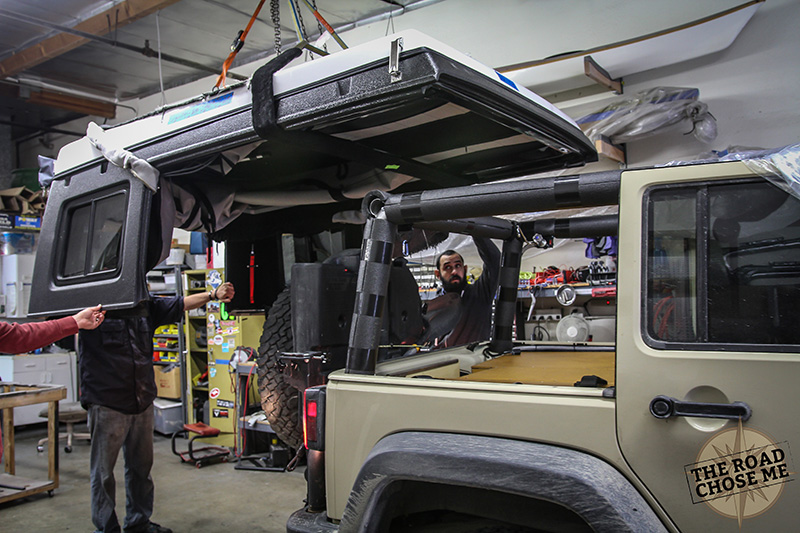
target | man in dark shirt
[
  {"x": 117, "y": 389},
  {"x": 475, "y": 300}
]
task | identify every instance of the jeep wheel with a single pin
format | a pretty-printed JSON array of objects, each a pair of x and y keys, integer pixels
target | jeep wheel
[{"x": 278, "y": 398}]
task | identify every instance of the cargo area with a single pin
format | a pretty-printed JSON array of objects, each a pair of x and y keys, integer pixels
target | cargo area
[{"x": 530, "y": 364}]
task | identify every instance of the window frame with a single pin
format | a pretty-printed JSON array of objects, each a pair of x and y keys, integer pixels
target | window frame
[
  {"x": 702, "y": 217},
  {"x": 64, "y": 224}
]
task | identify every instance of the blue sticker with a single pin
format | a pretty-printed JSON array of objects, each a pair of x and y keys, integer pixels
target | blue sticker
[
  {"x": 507, "y": 81},
  {"x": 214, "y": 279},
  {"x": 203, "y": 107},
  {"x": 212, "y": 372}
]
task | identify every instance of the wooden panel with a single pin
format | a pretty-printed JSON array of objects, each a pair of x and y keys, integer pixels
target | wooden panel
[{"x": 545, "y": 368}]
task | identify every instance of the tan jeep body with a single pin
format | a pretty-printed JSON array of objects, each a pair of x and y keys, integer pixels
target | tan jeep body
[{"x": 516, "y": 426}]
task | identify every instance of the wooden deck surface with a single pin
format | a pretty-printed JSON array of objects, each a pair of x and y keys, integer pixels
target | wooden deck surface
[{"x": 545, "y": 368}]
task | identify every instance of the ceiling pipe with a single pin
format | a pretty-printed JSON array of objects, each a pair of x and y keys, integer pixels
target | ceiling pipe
[
  {"x": 39, "y": 130},
  {"x": 393, "y": 12},
  {"x": 144, "y": 50}
]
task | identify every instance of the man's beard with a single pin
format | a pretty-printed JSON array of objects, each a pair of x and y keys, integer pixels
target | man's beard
[{"x": 456, "y": 284}]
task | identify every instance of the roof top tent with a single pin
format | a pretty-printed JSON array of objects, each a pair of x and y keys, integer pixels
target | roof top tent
[{"x": 401, "y": 113}]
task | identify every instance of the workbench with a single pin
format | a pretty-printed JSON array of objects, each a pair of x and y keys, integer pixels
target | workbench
[{"x": 16, "y": 395}]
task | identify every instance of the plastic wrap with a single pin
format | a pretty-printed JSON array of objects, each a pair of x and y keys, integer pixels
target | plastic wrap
[
  {"x": 651, "y": 112},
  {"x": 780, "y": 166}
]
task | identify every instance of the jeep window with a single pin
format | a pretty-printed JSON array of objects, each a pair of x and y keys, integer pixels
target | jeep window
[
  {"x": 93, "y": 238},
  {"x": 723, "y": 266}
]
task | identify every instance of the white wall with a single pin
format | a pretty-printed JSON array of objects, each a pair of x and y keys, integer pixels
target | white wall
[{"x": 751, "y": 88}]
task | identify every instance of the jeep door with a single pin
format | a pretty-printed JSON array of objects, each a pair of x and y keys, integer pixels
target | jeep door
[{"x": 708, "y": 342}]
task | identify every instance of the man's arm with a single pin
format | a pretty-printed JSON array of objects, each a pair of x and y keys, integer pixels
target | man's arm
[
  {"x": 20, "y": 338},
  {"x": 490, "y": 255},
  {"x": 223, "y": 293}
]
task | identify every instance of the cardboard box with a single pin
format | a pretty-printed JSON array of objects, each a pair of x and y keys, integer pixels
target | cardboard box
[
  {"x": 168, "y": 381},
  {"x": 167, "y": 415}
]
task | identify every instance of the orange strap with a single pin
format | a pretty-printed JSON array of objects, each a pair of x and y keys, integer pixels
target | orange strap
[
  {"x": 237, "y": 45},
  {"x": 324, "y": 22}
]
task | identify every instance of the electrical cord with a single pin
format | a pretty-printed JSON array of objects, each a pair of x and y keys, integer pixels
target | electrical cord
[
  {"x": 233, "y": 363},
  {"x": 661, "y": 316},
  {"x": 541, "y": 330}
]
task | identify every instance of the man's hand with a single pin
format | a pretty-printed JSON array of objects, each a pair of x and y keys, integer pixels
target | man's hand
[
  {"x": 225, "y": 292},
  {"x": 90, "y": 318}
]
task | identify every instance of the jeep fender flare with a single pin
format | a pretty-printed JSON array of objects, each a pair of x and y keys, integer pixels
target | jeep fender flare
[{"x": 586, "y": 485}]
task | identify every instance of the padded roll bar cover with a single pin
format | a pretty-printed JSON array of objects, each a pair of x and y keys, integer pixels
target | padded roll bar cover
[
  {"x": 536, "y": 194},
  {"x": 506, "y": 298},
  {"x": 588, "y": 486},
  {"x": 265, "y": 115},
  {"x": 574, "y": 227},
  {"x": 371, "y": 291}
]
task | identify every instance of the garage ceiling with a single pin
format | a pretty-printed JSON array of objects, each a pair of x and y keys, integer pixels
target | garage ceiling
[{"x": 60, "y": 60}]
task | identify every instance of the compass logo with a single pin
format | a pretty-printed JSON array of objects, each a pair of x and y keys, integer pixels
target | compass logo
[{"x": 740, "y": 473}]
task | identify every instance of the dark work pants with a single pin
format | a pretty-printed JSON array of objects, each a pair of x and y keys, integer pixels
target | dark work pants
[{"x": 112, "y": 431}]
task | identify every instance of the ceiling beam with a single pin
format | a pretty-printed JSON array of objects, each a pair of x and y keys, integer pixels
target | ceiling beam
[
  {"x": 122, "y": 14},
  {"x": 86, "y": 106}
]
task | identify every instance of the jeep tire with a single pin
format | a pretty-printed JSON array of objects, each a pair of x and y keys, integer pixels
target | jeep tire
[{"x": 279, "y": 400}]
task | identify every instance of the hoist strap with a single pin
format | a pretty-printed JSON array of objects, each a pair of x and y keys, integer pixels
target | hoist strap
[{"x": 237, "y": 46}]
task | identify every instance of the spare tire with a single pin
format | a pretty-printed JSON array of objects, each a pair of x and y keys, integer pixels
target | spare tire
[{"x": 279, "y": 400}]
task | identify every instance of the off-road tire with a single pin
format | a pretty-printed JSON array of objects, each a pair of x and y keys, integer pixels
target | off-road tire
[{"x": 278, "y": 399}]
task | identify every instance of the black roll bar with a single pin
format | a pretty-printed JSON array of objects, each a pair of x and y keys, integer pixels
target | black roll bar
[{"x": 522, "y": 196}]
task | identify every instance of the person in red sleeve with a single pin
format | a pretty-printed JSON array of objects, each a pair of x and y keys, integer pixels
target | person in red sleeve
[{"x": 21, "y": 338}]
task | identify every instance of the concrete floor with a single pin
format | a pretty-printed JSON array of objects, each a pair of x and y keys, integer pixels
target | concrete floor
[{"x": 210, "y": 499}]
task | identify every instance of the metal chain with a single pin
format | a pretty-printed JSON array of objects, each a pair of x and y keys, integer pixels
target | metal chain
[
  {"x": 319, "y": 25},
  {"x": 300, "y": 18},
  {"x": 275, "y": 13}
]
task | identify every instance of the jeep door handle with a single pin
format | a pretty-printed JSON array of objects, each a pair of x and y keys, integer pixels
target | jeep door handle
[{"x": 666, "y": 407}]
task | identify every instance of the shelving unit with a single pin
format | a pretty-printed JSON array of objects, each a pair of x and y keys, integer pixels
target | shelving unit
[
  {"x": 211, "y": 339},
  {"x": 164, "y": 281},
  {"x": 196, "y": 367}
]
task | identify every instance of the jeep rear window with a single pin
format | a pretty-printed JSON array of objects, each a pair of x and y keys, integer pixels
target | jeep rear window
[
  {"x": 722, "y": 266},
  {"x": 94, "y": 236}
]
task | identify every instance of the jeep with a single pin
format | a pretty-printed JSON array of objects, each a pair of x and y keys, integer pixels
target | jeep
[{"x": 682, "y": 422}]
